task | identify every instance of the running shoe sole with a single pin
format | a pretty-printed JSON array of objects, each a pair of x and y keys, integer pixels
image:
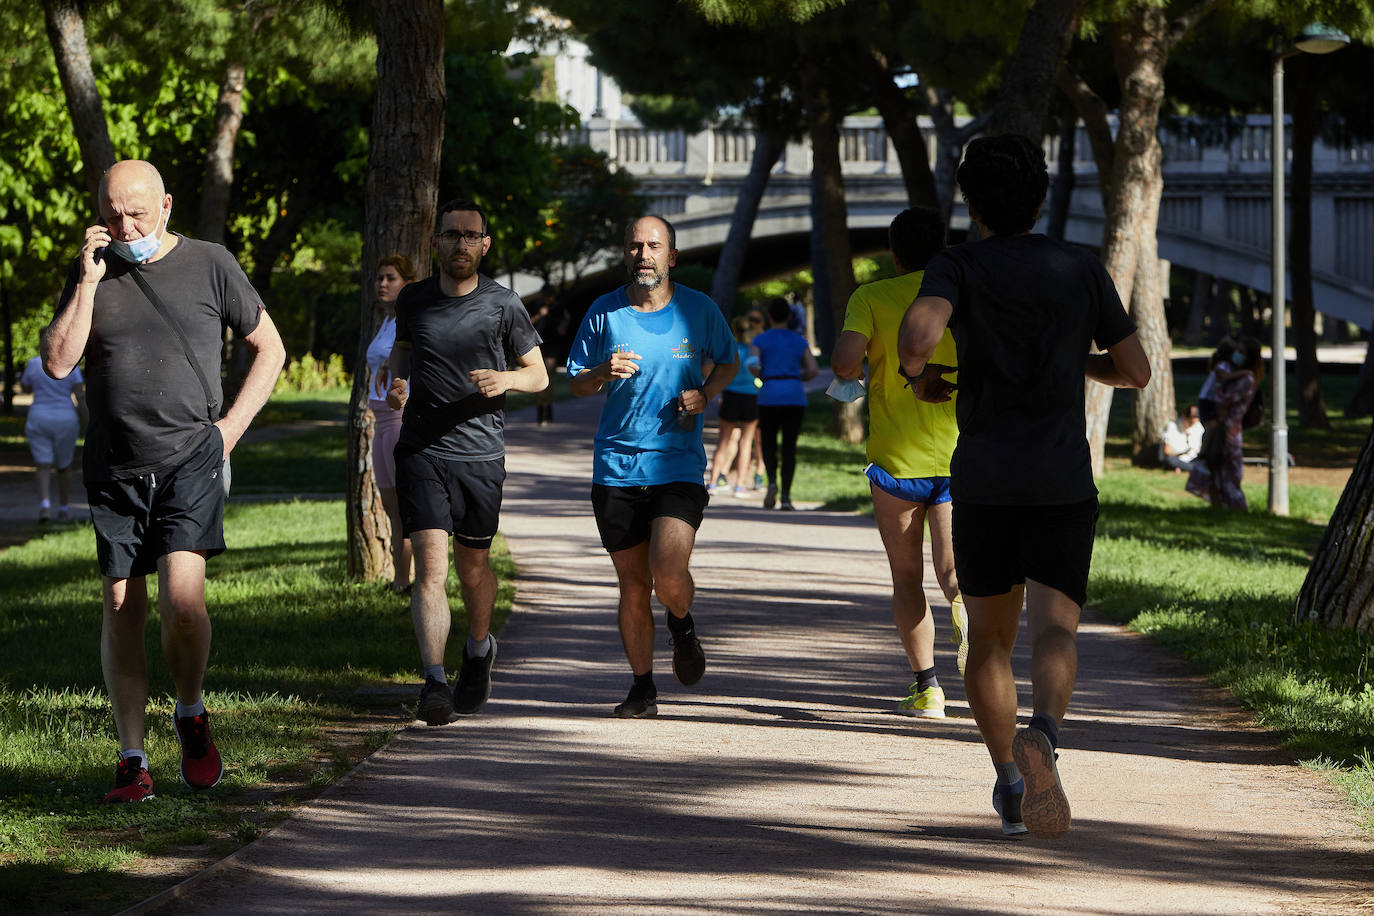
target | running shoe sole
[
  {"x": 637, "y": 709},
  {"x": 959, "y": 614},
  {"x": 1045, "y": 807}
]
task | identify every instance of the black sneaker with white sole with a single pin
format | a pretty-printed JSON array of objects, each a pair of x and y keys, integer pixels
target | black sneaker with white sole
[
  {"x": 474, "y": 682},
  {"x": 640, "y": 704}
]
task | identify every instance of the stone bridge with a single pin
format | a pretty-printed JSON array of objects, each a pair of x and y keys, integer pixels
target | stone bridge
[{"x": 1214, "y": 217}]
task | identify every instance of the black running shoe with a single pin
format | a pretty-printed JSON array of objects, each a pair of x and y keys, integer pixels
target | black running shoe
[
  {"x": 770, "y": 496},
  {"x": 474, "y": 682},
  {"x": 689, "y": 662},
  {"x": 436, "y": 702},
  {"x": 638, "y": 705}
]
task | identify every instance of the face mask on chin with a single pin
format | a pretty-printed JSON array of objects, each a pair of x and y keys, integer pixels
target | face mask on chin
[{"x": 141, "y": 249}]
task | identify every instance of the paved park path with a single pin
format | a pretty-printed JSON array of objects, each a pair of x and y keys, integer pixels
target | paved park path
[{"x": 783, "y": 782}]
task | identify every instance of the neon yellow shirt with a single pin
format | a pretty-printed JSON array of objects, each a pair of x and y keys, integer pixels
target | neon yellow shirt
[{"x": 906, "y": 437}]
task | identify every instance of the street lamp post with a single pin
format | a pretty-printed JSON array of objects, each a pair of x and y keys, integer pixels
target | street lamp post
[{"x": 1315, "y": 39}]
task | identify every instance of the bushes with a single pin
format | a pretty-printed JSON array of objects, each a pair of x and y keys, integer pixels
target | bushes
[{"x": 310, "y": 374}]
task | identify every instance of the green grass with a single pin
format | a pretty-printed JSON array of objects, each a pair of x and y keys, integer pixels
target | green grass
[{"x": 293, "y": 640}]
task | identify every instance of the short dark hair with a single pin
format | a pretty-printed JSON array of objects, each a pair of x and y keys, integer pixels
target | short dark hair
[
  {"x": 915, "y": 236},
  {"x": 672, "y": 233},
  {"x": 779, "y": 309},
  {"x": 463, "y": 204},
  {"x": 1005, "y": 179}
]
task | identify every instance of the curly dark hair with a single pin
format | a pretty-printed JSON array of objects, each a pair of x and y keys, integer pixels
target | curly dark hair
[{"x": 1004, "y": 179}]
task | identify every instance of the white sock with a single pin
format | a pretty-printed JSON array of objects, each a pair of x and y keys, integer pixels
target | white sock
[
  {"x": 194, "y": 709},
  {"x": 436, "y": 672},
  {"x": 134, "y": 752}
]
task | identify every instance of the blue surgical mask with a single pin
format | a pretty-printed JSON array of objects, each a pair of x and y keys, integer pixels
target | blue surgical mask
[
  {"x": 846, "y": 389},
  {"x": 140, "y": 250}
]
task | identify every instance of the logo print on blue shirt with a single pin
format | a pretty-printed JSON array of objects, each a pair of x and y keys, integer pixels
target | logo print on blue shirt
[{"x": 684, "y": 350}]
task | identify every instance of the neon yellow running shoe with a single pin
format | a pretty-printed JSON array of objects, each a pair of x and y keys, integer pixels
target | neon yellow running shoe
[
  {"x": 960, "y": 635},
  {"x": 924, "y": 704}
]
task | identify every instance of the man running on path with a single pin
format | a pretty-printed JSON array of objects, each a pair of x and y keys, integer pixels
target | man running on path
[
  {"x": 148, "y": 308},
  {"x": 646, "y": 343},
  {"x": 464, "y": 340},
  {"x": 909, "y": 445},
  {"x": 1025, "y": 310}
]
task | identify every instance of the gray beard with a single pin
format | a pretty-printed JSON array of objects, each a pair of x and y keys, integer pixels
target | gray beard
[{"x": 650, "y": 283}]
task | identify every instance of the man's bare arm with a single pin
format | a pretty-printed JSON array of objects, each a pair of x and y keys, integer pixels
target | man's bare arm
[
  {"x": 268, "y": 357},
  {"x": 922, "y": 327},
  {"x": 848, "y": 359},
  {"x": 1124, "y": 365},
  {"x": 530, "y": 377},
  {"x": 622, "y": 364},
  {"x": 719, "y": 378}
]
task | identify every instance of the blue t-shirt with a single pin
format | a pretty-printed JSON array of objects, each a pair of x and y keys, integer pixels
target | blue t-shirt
[
  {"x": 780, "y": 367},
  {"x": 639, "y": 442},
  {"x": 743, "y": 382}
]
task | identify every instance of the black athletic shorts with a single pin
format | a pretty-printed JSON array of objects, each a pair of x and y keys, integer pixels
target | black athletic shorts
[
  {"x": 738, "y": 407},
  {"x": 625, "y": 515},
  {"x": 998, "y": 547},
  {"x": 461, "y": 497},
  {"x": 139, "y": 519}
]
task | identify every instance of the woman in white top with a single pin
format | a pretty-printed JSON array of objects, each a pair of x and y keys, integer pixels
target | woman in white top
[
  {"x": 52, "y": 426},
  {"x": 393, "y": 272}
]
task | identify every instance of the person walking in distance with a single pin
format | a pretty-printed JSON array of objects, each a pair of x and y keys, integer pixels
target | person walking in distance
[
  {"x": 784, "y": 363},
  {"x": 1025, "y": 311},
  {"x": 462, "y": 341},
  {"x": 909, "y": 447},
  {"x": 645, "y": 343},
  {"x": 147, "y": 308}
]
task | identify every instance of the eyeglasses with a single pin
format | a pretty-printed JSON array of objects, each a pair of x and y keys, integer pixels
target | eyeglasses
[{"x": 470, "y": 238}]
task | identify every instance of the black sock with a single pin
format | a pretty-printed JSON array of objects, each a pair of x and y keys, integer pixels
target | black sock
[
  {"x": 926, "y": 678},
  {"x": 644, "y": 685},
  {"x": 680, "y": 625},
  {"x": 1048, "y": 726}
]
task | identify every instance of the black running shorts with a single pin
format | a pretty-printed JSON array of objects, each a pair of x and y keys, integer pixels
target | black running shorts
[
  {"x": 737, "y": 407},
  {"x": 998, "y": 547},
  {"x": 139, "y": 519},
  {"x": 625, "y": 515},
  {"x": 461, "y": 497}
]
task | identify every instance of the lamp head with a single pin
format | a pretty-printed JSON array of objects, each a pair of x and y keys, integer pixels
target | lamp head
[{"x": 1317, "y": 38}]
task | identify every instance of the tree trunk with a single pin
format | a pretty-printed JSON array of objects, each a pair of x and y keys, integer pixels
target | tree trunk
[
  {"x": 1198, "y": 308},
  {"x": 67, "y": 35},
  {"x": 1362, "y": 401},
  {"x": 1024, "y": 98},
  {"x": 1339, "y": 589},
  {"x": 219, "y": 157},
  {"x": 1061, "y": 192},
  {"x": 400, "y": 200},
  {"x": 1311, "y": 404},
  {"x": 830, "y": 231},
  {"x": 7, "y": 402},
  {"x": 1153, "y": 406},
  {"x": 899, "y": 119},
  {"x": 949, "y": 146},
  {"x": 768, "y": 148}
]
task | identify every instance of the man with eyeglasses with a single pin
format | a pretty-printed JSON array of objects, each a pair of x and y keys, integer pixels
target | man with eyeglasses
[
  {"x": 462, "y": 341},
  {"x": 646, "y": 344}
]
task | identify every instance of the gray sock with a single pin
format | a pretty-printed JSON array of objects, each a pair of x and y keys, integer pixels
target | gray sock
[
  {"x": 436, "y": 672},
  {"x": 1007, "y": 773},
  {"x": 478, "y": 649},
  {"x": 193, "y": 710}
]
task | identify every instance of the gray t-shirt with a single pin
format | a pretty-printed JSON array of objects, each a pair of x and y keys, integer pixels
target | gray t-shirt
[
  {"x": 148, "y": 409},
  {"x": 1026, "y": 310},
  {"x": 445, "y": 415}
]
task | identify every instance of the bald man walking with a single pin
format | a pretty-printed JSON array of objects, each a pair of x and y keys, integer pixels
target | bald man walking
[{"x": 147, "y": 309}]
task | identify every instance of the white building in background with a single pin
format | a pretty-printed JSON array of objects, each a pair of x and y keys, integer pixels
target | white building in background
[{"x": 576, "y": 82}]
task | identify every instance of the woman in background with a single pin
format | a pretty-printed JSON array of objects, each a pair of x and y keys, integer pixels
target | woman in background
[
  {"x": 784, "y": 362},
  {"x": 393, "y": 272},
  {"x": 1218, "y": 478},
  {"x": 52, "y": 426},
  {"x": 737, "y": 420}
]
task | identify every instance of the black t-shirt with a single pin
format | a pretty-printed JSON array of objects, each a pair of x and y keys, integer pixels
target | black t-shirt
[
  {"x": 148, "y": 409},
  {"x": 445, "y": 415},
  {"x": 1026, "y": 309}
]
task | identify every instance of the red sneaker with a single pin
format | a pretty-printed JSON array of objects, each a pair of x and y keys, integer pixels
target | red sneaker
[
  {"x": 132, "y": 782},
  {"x": 201, "y": 767}
]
